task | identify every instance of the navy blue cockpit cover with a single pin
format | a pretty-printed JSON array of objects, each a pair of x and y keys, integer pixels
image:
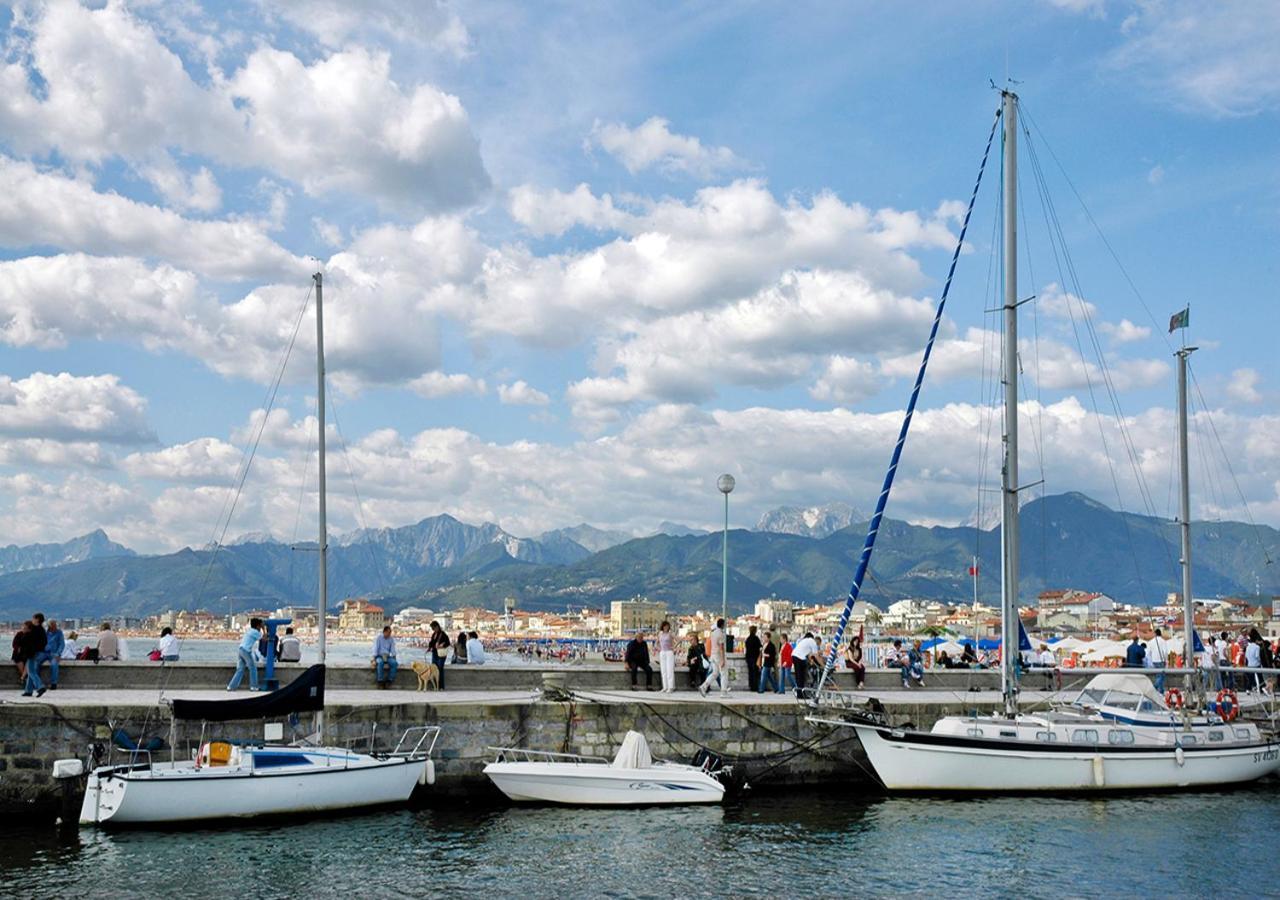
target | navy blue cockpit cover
[{"x": 304, "y": 694}]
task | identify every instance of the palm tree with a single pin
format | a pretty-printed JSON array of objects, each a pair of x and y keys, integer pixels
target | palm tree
[{"x": 935, "y": 631}]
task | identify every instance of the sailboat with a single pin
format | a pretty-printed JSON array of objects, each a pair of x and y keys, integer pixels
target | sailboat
[
  {"x": 245, "y": 779},
  {"x": 1120, "y": 733}
]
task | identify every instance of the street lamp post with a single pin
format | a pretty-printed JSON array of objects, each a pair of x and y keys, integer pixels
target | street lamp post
[{"x": 726, "y": 484}]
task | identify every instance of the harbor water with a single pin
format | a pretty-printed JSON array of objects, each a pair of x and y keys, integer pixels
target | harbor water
[{"x": 802, "y": 843}]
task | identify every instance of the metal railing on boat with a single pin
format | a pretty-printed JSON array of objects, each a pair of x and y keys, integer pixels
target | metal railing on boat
[{"x": 520, "y": 754}]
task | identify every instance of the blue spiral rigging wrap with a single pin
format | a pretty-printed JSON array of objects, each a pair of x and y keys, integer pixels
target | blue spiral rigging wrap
[{"x": 874, "y": 526}]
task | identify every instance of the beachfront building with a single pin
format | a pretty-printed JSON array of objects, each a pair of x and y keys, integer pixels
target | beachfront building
[
  {"x": 361, "y": 615},
  {"x": 775, "y": 612},
  {"x": 636, "y": 614},
  {"x": 413, "y": 618}
]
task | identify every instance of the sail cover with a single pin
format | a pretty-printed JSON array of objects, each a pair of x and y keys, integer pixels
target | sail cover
[{"x": 304, "y": 694}]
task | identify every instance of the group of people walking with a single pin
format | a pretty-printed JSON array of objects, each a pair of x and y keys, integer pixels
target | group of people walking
[{"x": 773, "y": 664}]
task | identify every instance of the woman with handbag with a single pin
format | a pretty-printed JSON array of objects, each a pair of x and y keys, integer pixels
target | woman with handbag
[{"x": 439, "y": 647}]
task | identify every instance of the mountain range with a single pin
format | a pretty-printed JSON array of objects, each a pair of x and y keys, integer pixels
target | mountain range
[{"x": 1068, "y": 540}]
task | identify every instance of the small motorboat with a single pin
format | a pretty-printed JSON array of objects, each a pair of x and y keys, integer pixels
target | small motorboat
[{"x": 632, "y": 778}]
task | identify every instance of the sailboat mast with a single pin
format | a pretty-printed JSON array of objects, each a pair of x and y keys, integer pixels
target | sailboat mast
[
  {"x": 1184, "y": 517},
  {"x": 1009, "y": 632},
  {"x": 323, "y": 598}
]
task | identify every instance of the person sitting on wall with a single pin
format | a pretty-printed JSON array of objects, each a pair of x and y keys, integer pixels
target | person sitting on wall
[
  {"x": 384, "y": 658},
  {"x": 290, "y": 647},
  {"x": 637, "y": 660},
  {"x": 697, "y": 660}
]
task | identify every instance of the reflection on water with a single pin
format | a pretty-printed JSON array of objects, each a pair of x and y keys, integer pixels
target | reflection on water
[{"x": 833, "y": 842}]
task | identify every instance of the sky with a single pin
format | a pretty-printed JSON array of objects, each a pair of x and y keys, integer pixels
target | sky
[{"x": 580, "y": 259}]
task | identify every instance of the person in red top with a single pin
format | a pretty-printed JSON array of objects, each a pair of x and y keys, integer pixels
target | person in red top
[{"x": 784, "y": 666}]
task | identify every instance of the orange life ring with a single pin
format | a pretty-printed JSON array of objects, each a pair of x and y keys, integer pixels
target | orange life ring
[
  {"x": 1173, "y": 699},
  {"x": 1228, "y": 710}
]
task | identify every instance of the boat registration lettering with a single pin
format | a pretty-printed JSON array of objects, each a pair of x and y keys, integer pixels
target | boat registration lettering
[{"x": 1267, "y": 755}]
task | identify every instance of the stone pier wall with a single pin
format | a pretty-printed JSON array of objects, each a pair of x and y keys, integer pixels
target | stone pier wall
[{"x": 771, "y": 744}]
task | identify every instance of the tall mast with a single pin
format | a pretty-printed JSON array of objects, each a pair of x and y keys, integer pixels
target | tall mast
[
  {"x": 1184, "y": 517},
  {"x": 1009, "y": 631},
  {"x": 323, "y": 599}
]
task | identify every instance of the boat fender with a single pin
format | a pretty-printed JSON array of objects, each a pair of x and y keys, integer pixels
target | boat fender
[
  {"x": 1180, "y": 756},
  {"x": 1099, "y": 772},
  {"x": 1228, "y": 704},
  {"x": 428, "y": 775},
  {"x": 1173, "y": 699}
]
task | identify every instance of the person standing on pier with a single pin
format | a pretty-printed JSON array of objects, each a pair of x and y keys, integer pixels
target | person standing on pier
[
  {"x": 33, "y": 644},
  {"x": 769, "y": 669},
  {"x": 719, "y": 661},
  {"x": 244, "y": 656},
  {"x": 667, "y": 657},
  {"x": 438, "y": 644},
  {"x": 752, "y": 647},
  {"x": 1158, "y": 655},
  {"x": 785, "y": 664},
  {"x": 55, "y": 643}
]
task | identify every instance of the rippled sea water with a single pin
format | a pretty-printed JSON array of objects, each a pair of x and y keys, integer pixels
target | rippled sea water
[{"x": 804, "y": 843}]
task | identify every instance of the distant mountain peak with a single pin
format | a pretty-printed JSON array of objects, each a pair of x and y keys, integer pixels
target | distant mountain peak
[
  {"x": 675, "y": 529},
  {"x": 812, "y": 521},
  {"x": 94, "y": 545}
]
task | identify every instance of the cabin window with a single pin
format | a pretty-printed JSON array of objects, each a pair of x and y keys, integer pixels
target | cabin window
[
  {"x": 1216, "y": 737},
  {"x": 1242, "y": 734},
  {"x": 975, "y": 732},
  {"x": 1189, "y": 739},
  {"x": 1047, "y": 737},
  {"x": 1012, "y": 734},
  {"x": 1084, "y": 736},
  {"x": 1120, "y": 737}
]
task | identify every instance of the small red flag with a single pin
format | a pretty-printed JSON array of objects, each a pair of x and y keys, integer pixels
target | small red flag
[{"x": 973, "y": 570}]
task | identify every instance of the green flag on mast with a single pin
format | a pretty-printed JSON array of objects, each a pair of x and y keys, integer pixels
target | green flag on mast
[{"x": 1180, "y": 320}]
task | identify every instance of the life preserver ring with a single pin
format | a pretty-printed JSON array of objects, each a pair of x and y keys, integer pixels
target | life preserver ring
[
  {"x": 1173, "y": 699},
  {"x": 1228, "y": 704}
]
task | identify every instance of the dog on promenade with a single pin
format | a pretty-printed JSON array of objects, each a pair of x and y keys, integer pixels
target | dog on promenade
[{"x": 428, "y": 675}]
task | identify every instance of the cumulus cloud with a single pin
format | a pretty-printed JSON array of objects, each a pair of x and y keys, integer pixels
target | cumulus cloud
[
  {"x": 768, "y": 339},
  {"x": 41, "y": 208},
  {"x": 1243, "y": 386},
  {"x": 66, "y": 407},
  {"x": 339, "y": 122},
  {"x": 520, "y": 393},
  {"x": 652, "y": 144},
  {"x": 671, "y": 454},
  {"x": 438, "y": 384},
  {"x": 552, "y": 212},
  {"x": 845, "y": 380}
]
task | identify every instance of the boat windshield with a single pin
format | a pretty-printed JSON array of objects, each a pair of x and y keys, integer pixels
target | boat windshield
[{"x": 1128, "y": 692}]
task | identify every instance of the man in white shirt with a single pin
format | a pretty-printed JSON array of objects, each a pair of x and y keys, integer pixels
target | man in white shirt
[
  {"x": 805, "y": 655},
  {"x": 475, "y": 650},
  {"x": 719, "y": 662},
  {"x": 1157, "y": 653},
  {"x": 290, "y": 647}
]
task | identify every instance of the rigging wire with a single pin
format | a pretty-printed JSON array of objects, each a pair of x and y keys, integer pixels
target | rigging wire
[
  {"x": 1257, "y": 532},
  {"x": 251, "y": 450},
  {"x": 1071, "y": 286},
  {"x": 1096, "y": 227}
]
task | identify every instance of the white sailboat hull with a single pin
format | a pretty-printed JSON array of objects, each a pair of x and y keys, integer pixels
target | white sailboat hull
[
  {"x": 169, "y": 792},
  {"x": 917, "y": 761},
  {"x": 600, "y": 784}
]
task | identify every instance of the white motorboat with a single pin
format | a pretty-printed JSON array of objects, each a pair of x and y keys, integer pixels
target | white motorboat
[
  {"x": 632, "y": 778},
  {"x": 223, "y": 780},
  {"x": 1120, "y": 734}
]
